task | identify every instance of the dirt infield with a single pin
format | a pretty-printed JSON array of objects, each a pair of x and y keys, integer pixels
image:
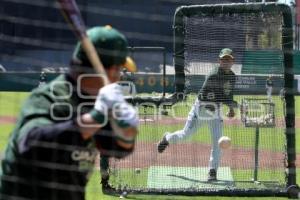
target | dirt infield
[
  {"x": 7, "y": 120},
  {"x": 195, "y": 155},
  {"x": 165, "y": 120}
]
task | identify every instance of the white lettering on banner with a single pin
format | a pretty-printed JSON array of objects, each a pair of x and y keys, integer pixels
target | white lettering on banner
[
  {"x": 242, "y": 86},
  {"x": 245, "y": 81}
]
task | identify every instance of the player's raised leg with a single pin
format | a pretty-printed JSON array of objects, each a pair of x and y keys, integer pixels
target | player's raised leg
[{"x": 191, "y": 126}]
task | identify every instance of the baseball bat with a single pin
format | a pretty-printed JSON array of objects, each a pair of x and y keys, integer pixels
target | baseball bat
[{"x": 73, "y": 16}]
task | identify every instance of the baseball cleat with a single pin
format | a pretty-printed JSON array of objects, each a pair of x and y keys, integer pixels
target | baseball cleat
[
  {"x": 106, "y": 187},
  {"x": 162, "y": 145},
  {"x": 212, "y": 175}
]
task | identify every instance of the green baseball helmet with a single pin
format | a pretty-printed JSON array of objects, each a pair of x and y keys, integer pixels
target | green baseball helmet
[{"x": 111, "y": 46}]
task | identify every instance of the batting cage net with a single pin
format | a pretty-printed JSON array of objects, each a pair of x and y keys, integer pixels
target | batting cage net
[{"x": 179, "y": 152}]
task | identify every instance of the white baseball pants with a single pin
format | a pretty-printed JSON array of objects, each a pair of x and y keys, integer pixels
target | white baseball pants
[
  {"x": 198, "y": 116},
  {"x": 269, "y": 92}
]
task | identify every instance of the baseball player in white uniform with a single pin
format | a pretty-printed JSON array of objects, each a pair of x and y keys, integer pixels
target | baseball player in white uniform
[
  {"x": 269, "y": 87},
  {"x": 216, "y": 90}
]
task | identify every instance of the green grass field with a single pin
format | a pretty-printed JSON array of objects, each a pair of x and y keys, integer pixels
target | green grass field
[{"x": 10, "y": 104}]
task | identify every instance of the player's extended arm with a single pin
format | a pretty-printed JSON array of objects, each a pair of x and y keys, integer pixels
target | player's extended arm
[
  {"x": 231, "y": 103},
  {"x": 40, "y": 133},
  {"x": 110, "y": 98}
]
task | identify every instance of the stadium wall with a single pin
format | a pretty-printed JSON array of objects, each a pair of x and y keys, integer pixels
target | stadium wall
[{"x": 148, "y": 83}]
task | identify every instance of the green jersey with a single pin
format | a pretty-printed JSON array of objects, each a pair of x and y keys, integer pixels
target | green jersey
[
  {"x": 46, "y": 157},
  {"x": 269, "y": 83},
  {"x": 218, "y": 87}
]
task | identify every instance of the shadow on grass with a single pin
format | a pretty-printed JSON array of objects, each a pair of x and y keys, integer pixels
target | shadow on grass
[{"x": 218, "y": 182}]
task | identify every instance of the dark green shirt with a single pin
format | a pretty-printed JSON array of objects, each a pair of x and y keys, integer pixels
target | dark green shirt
[
  {"x": 269, "y": 83},
  {"x": 46, "y": 157},
  {"x": 218, "y": 87}
]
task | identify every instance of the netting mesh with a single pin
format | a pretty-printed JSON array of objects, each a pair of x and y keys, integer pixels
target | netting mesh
[
  {"x": 256, "y": 159},
  {"x": 255, "y": 39}
]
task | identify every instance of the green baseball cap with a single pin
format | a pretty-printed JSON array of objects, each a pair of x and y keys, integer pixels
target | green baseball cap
[
  {"x": 226, "y": 52},
  {"x": 111, "y": 46}
]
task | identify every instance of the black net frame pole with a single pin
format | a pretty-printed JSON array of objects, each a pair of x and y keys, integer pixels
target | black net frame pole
[
  {"x": 287, "y": 41},
  {"x": 218, "y": 192},
  {"x": 178, "y": 42},
  {"x": 164, "y": 71},
  {"x": 255, "y": 173}
]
